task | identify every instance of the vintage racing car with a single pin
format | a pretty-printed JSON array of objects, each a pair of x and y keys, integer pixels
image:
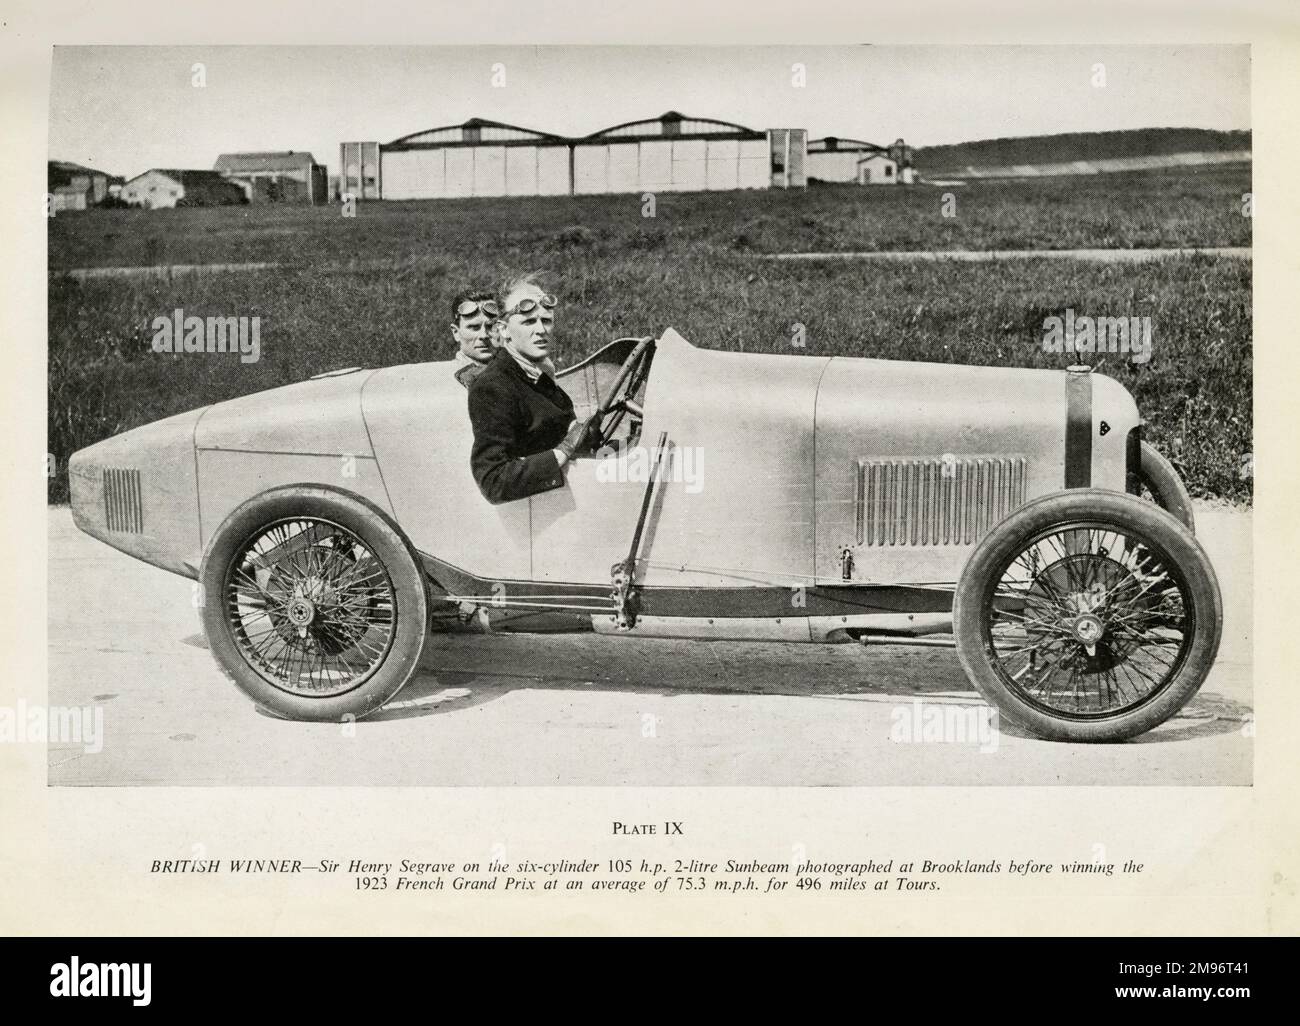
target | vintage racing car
[{"x": 1014, "y": 513}]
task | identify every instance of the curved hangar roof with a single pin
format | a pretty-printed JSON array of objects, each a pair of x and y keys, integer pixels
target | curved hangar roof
[
  {"x": 475, "y": 132},
  {"x": 835, "y": 144},
  {"x": 480, "y": 132},
  {"x": 673, "y": 125}
]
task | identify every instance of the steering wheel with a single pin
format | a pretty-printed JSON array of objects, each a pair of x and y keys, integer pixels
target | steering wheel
[{"x": 606, "y": 417}]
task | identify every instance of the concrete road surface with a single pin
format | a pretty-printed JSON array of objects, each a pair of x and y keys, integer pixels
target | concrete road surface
[{"x": 125, "y": 638}]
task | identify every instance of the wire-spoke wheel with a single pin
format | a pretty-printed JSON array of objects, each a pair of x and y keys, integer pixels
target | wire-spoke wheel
[
  {"x": 302, "y": 595},
  {"x": 1088, "y": 615},
  {"x": 314, "y": 604}
]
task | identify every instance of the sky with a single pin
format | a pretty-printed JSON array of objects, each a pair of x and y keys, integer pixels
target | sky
[{"x": 127, "y": 109}]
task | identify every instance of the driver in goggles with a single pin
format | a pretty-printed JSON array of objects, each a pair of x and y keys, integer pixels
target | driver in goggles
[
  {"x": 524, "y": 425},
  {"x": 473, "y": 317}
]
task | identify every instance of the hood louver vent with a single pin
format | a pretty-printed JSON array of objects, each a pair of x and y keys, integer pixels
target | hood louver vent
[
  {"x": 936, "y": 501},
  {"x": 123, "y": 509}
]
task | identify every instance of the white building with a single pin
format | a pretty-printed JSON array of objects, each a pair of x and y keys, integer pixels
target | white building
[
  {"x": 477, "y": 158},
  {"x": 69, "y": 197},
  {"x": 674, "y": 153},
  {"x": 670, "y": 153},
  {"x": 283, "y": 176},
  {"x": 358, "y": 171},
  {"x": 166, "y": 187},
  {"x": 74, "y": 187},
  {"x": 833, "y": 159},
  {"x": 877, "y": 169}
]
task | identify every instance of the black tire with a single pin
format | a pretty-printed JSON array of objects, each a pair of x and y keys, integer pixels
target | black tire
[
  {"x": 327, "y": 619},
  {"x": 1125, "y": 576},
  {"x": 1157, "y": 481}
]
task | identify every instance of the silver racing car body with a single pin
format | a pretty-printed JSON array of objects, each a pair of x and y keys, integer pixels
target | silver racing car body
[{"x": 728, "y": 496}]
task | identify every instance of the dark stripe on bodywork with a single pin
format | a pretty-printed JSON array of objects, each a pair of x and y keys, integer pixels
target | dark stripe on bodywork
[
  {"x": 1078, "y": 429},
  {"x": 774, "y": 602}
]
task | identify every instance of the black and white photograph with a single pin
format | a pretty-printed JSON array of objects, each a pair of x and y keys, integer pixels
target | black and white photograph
[
  {"x": 657, "y": 474},
  {"x": 744, "y": 415}
]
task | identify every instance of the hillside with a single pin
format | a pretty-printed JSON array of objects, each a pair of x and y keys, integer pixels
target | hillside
[{"x": 1071, "y": 146}]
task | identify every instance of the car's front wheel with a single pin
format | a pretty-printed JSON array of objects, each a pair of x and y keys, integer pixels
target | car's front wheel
[
  {"x": 1088, "y": 615},
  {"x": 314, "y": 604}
]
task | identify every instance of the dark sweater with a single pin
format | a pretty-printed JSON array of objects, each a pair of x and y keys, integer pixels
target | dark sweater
[{"x": 517, "y": 424}]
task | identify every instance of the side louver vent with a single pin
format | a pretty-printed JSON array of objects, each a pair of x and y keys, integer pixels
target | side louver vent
[
  {"x": 939, "y": 501},
  {"x": 123, "y": 510}
]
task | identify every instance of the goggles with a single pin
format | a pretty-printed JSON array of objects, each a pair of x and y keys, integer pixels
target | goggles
[
  {"x": 471, "y": 306},
  {"x": 527, "y": 306}
]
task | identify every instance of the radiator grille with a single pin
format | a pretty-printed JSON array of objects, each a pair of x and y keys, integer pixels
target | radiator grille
[
  {"x": 938, "y": 501},
  {"x": 123, "y": 510}
]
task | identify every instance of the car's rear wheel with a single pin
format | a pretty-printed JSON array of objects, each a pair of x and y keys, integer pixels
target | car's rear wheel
[
  {"x": 314, "y": 604},
  {"x": 1088, "y": 615},
  {"x": 1157, "y": 481}
]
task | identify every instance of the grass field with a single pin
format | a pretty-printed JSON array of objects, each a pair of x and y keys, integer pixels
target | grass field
[
  {"x": 373, "y": 290},
  {"x": 1125, "y": 211}
]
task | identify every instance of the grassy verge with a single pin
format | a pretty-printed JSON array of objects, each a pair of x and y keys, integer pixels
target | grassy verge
[
  {"x": 1104, "y": 211},
  {"x": 1195, "y": 392}
]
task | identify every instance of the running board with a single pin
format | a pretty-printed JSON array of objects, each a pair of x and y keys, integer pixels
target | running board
[{"x": 807, "y": 629}]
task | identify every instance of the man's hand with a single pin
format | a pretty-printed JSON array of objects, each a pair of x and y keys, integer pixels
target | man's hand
[{"x": 576, "y": 440}]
